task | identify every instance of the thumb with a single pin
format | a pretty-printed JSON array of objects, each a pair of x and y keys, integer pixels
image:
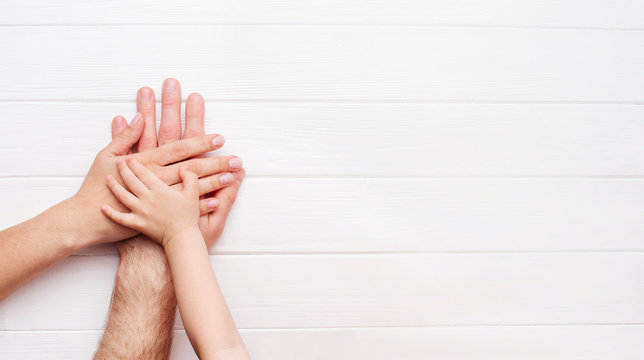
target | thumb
[
  {"x": 122, "y": 143},
  {"x": 190, "y": 181},
  {"x": 118, "y": 124}
]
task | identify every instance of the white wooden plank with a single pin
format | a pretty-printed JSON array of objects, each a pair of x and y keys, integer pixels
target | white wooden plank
[
  {"x": 316, "y": 62},
  {"x": 453, "y": 342},
  {"x": 402, "y": 215},
  {"x": 278, "y": 291},
  {"x": 356, "y": 139},
  {"x": 579, "y": 13}
]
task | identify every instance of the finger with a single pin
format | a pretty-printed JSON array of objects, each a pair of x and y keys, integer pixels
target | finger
[
  {"x": 209, "y": 184},
  {"x": 123, "y": 142},
  {"x": 212, "y": 183},
  {"x": 208, "y": 205},
  {"x": 118, "y": 125},
  {"x": 194, "y": 116},
  {"x": 145, "y": 104},
  {"x": 170, "y": 127},
  {"x": 131, "y": 181},
  {"x": 146, "y": 176},
  {"x": 189, "y": 180},
  {"x": 181, "y": 150},
  {"x": 125, "y": 219},
  {"x": 201, "y": 166},
  {"x": 227, "y": 197},
  {"x": 124, "y": 196}
]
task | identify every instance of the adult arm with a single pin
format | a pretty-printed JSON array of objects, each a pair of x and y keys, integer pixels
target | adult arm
[
  {"x": 36, "y": 244},
  {"x": 148, "y": 318},
  {"x": 170, "y": 217},
  {"x": 142, "y": 311}
]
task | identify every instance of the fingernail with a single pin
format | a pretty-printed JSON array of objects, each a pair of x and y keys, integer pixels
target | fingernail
[
  {"x": 145, "y": 93},
  {"x": 135, "y": 119},
  {"x": 170, "y": 84},
  {"x": 194, "y": 98},
  {"x": 235, "y": 163},
  {"x": 218, "y": 141},
  {"x": 226, "y": 179},
  {"x": 213, "y": 203},
  {"x": 120, "y": 121},
  {"x": 109, "y": 178}
]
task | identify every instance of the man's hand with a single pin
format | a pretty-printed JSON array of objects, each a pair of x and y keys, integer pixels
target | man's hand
[
  {"x": 143, "y": 304},
  {"x": 163, "y": 161},
  {"x": 212, "y": 223}
]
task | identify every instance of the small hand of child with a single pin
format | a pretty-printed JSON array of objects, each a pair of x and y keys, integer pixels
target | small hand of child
[{"x": 157, "y": 210}]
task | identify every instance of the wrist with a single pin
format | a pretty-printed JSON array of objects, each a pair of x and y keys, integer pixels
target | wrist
[
  {"x": 145, "y": 260},
  {"x": 181, "y": 238},
  {"x": 64, "y": 223}
]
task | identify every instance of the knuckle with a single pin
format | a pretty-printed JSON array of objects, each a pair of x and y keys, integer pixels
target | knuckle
[
  {"x": 180, "y": 149},
  {"x": 230, "y": 197},
  {"x": 168, "y": 133},
  {"x": 223, "y": 163},
  {"x": 193, "y": 167},
  {"x": 214, "y": 183}
]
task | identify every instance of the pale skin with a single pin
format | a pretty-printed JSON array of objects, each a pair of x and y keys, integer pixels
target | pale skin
[
  {"x": 170, "y": 217},
  {"x": 77, "y": 222},
  {"x": 143, "y": 304}
]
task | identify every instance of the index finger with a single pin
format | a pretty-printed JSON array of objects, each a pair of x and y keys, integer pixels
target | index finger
[{"x": 181, "y": 150}]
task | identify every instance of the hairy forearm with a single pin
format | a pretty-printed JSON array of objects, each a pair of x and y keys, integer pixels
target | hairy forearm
[
  {"x": 142, "y": 312},
  {"x": 38, "y": 243},
  {"x": 206, "y": 318}
]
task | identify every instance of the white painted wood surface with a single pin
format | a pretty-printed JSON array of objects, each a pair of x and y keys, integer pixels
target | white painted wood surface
[
  {"x": 427, "y": 178},
  {"x": 316, "y": 63}
]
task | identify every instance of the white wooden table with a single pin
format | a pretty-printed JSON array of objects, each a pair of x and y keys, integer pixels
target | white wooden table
[{"x": 428, "y": 179}]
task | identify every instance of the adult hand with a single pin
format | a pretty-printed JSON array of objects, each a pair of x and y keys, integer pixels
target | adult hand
[
  {"x": 223, "y": 188},
  {"x": 143, "y": 302},
  {"x": 164, "y": 161}
]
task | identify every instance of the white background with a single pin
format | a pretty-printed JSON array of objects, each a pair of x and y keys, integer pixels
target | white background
[{"x": 428, "y": 179}]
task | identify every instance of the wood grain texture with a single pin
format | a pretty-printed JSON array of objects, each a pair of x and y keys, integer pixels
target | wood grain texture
[
  {"x": 280, "y": 291},
  {"x": 331, "y": 139},
  {"x": 602, "y": 14},
  {"x": 402, "y": 215},
  {"x": 277, "y": 63},
  {"x": 454, "y": 342}
]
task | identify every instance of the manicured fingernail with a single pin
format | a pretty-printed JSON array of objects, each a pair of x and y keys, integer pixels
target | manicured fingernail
[
  {"x": 109, "y": 178},
  {"x": 145, "y": 93},
  {"x": 170, "y": 84},
  {"x": 235, "y": 163},
  {"x": 213, "y": 203},
  {"x": 135, "y": 119},
  {"x": 226, "y": 179},
  {"x": 218, "y": 141}
]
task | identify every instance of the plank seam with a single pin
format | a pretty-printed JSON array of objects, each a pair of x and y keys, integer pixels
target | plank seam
[
  {"x": 357, "y": 25},
  {"x": 313, "y": 328},
  {"x": 400, "y": 253},
  {"x": 336, "y": 101}
]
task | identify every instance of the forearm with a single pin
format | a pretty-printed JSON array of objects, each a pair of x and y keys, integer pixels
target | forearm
[
  {"x": 206, "y": 317},
  {"x": 38, "y": 243},
  {"x": 142, "y": 312}
]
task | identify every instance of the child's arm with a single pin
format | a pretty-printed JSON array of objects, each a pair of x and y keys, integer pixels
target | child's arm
[
  {"x": 170, "y": 217},
  {"x": 205, "y": 315}
]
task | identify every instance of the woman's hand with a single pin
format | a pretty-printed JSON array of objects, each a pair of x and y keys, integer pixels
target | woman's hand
[
  {"x": 157, "y": 210},
  {"x": 163, "y": 161}
]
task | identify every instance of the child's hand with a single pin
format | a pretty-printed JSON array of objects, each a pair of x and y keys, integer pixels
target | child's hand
[{"x": 158, "y": 210}]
